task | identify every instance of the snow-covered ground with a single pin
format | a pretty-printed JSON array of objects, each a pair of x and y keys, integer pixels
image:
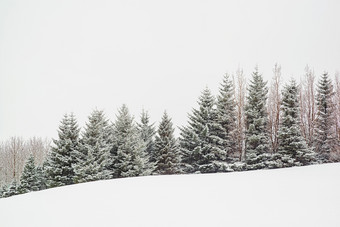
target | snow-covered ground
[{"x": 300, "y": 196}]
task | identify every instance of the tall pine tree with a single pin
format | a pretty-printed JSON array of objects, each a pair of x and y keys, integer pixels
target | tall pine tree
[
  {"x": 257, "y": 140},
  {"x": 10, "y": 190},
  {"x": 166, "y": 148},
  {"x": 226, "y": 117},
  {"x": 325, "y": 140},
  {"x": 41, "y": 177},
  {"x": 147, "y": 132},
  {"x": 64, "y": 155},
  {"x": 200, "y": 145},
  {"x": 94, "y": 160},
  {"x": 29, "y": 180},
  {"x": 292, "y": 150},
  {"x": 129, "y": 150}
]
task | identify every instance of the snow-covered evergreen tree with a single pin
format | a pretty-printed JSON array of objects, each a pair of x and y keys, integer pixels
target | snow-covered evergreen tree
[
  {"x": 188, "y": 142},
  {"x": 292, "y": 150},
  {"x": 226, "y": 117},
  {"x": 88, "y": 169},
  {"x": 94, "y": 159},
  {"x": 200, "y": 145},
  {"x": 325, "y": 140},
  {"x": 3, "y": 189},
  {"x": 147, "y": 132},
  {"x": 41, "y": 177},
  {"x": 10, "y": 190},
  {"x": 64, "y": 155},
  {"x": 129, "y": 150},
  {"x": 29, "y": 178},
  {"x": 166, "y": 148},
  {"x": 257, "y": 140}
]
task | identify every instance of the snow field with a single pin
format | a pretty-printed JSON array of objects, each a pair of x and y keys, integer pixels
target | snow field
[{"x": 299, "y": 196}]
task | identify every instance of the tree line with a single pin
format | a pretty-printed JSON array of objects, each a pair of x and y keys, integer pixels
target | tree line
[
  {"x": 245, "y": 127},
  {"x": 14, "y": 153}
]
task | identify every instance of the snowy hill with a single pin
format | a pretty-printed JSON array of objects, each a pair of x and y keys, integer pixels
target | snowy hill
[{"x": 300, "y": 196}]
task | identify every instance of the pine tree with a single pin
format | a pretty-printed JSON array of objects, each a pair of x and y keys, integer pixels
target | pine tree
[
  {"x": 257, "y": 140},
  {"x": 41, "y": 177},
  {"x": 200, "y": 145},
  {"x": 11, "y": 190},
  {"x": 166, "y": 148},
  {"x": 129, "y": 150},
  {"x": 29, "y": 178},
  {"x": 226, "y": 117},
  {"x": 94, "y": 160},
  {"x": 292, "y": 149},
  {"x": 188, "y": 142},
  {"x": 3, "y": 189},
  {"x": 64, "y": 155},
  {"x": 325, "y": 141},
  {"x": 88, "y": 169},
  {"x": 147, "y": 132}
]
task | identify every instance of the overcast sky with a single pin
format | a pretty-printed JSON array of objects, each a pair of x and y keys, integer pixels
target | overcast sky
[{"x": 74, "y": 55}]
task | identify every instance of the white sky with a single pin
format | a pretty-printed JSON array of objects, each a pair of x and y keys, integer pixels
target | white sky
[{"x": 74, "y": 55}]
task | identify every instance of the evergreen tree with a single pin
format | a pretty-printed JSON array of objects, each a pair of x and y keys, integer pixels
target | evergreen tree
[
  {"x": 226, "y": 117},
  {"x": 292, "y": 146},
  {"x": 29, "y": 178},
  {"x": 11, "y": 190},
  {"x": 325, "y": 141},
  {"x": 129, "y": 150},
  {"x": 41, "y": 178},
  {"x": 188, "y": 142},
  {"x": 88, "y": 169},
  {"x": 166, "y": 148},
  {"x": 3, "y": 189},
  {"x": 257, "y": 140},
  {"x": 64, "y": 155},
  {"x": 147, "y": 132},
  {"x": 200, "y": 145},
  {"x": 94, "y": 159}
]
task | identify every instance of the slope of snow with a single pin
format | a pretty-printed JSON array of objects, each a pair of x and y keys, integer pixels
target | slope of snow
[{"x": 300, "y": 196}]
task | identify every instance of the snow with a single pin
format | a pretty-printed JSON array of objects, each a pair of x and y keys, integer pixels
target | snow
[{"x": 299, "y": 196}]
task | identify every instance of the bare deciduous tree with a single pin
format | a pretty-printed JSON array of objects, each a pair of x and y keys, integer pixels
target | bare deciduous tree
[
  {"x": 13, "y": 155},
  {"x": 240, "y": 92},
  {"x": 336, "y": 155},
  {"x": 307, "y": 105},
  {"x": 337, "y": 104},
  {"x": 3, "y": 165},
  {"x": 16, "y": 148},
  {"x": 273, "y": 107},
  {"x": 39, "y": 148}
]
